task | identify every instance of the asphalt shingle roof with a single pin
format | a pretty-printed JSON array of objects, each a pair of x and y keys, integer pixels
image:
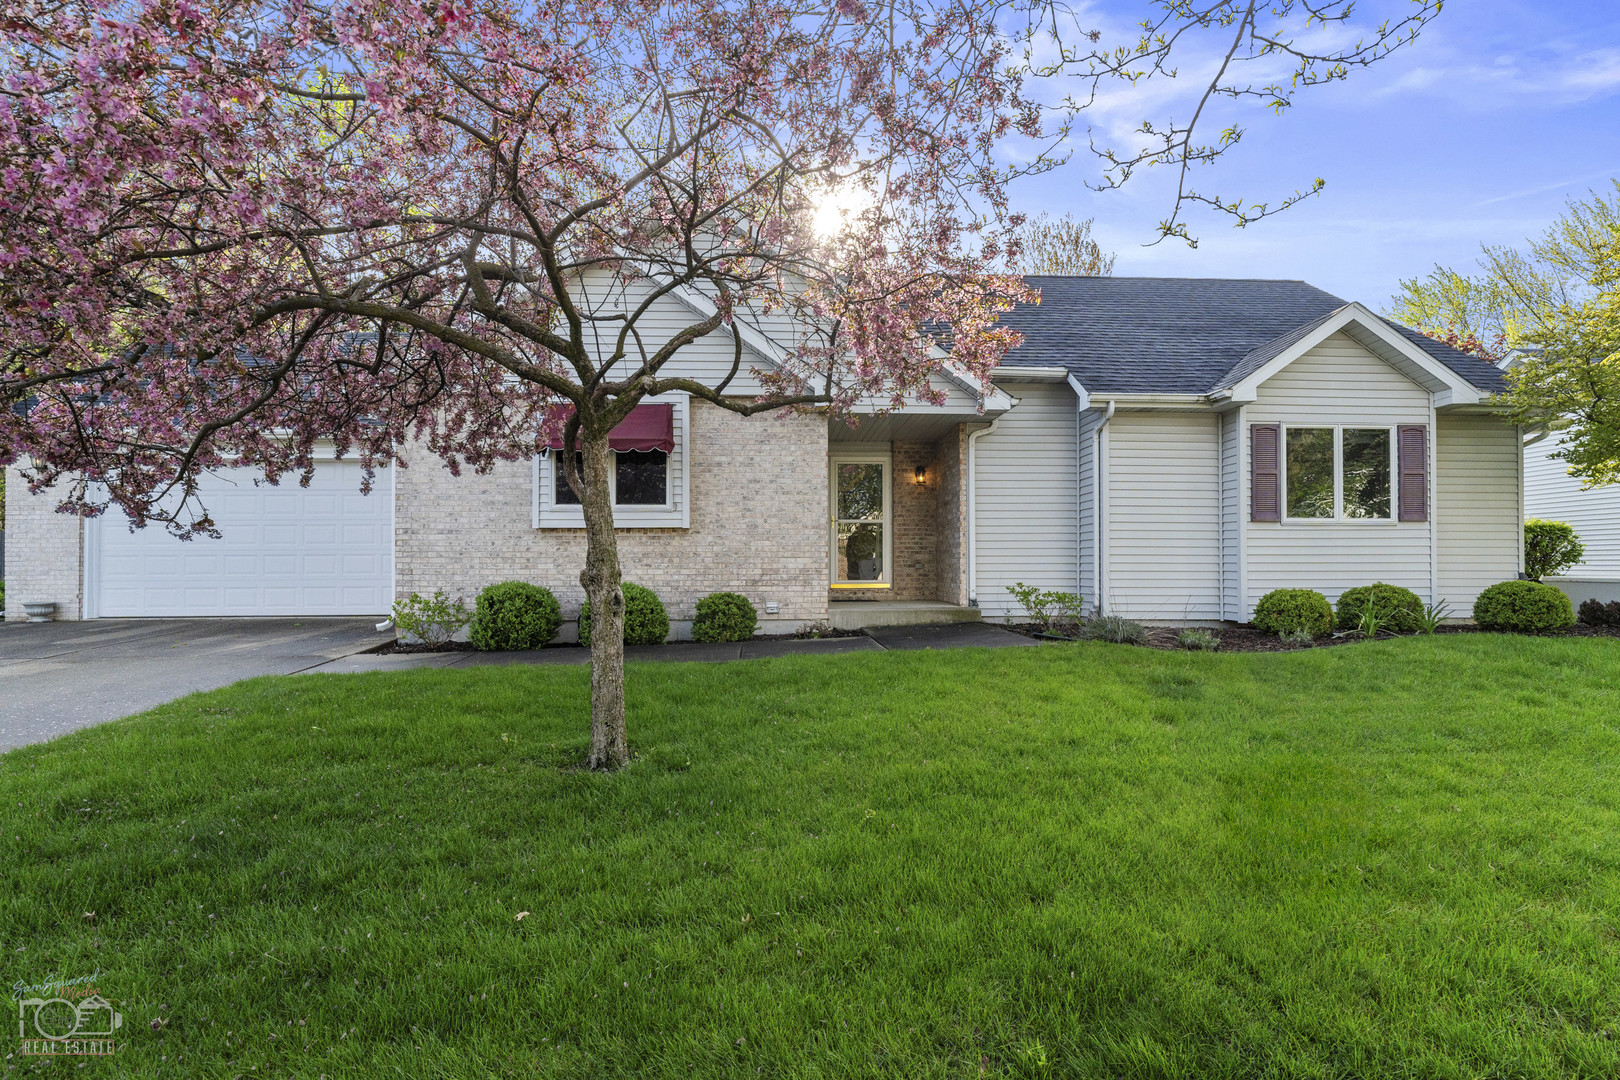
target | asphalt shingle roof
[{"x": 1124, "y": 335}]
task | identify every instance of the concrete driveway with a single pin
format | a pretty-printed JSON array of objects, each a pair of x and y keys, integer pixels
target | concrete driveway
[{"x": 57, "y": 677}]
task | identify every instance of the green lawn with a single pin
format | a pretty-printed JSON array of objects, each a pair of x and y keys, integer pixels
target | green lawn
[{"x": 1396, "y": 859}]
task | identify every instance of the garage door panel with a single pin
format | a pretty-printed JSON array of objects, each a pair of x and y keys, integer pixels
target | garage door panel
[
  {"x": 280, "y": 536},
  {"x": 322, "y": 550}
]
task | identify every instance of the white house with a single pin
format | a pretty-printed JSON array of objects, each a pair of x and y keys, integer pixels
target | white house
[
  {"x": 1172, "y": 449},
  {"x": 1550, "y": 492}
]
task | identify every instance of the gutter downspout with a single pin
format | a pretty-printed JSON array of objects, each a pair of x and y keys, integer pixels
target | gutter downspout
[
  {"x": 973, "y": 511},
  {"x": 1082, "y": 402},
  {"x": 1097, "y": 495}
]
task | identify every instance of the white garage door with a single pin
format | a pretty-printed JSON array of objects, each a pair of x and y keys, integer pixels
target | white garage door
[{"x": 288, "y": 550}]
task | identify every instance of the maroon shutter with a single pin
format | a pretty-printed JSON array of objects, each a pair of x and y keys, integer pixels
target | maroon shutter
[
  {"x": 1412, "y": 441},
  {"x": 1265, "y": 472}
]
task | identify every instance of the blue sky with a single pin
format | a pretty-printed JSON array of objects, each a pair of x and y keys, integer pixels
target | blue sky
[{"x": 1479, "y": 132}]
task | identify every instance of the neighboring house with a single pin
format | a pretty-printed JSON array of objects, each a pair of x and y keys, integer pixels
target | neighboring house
[
  {"x": 1550, "y": 492},
  {"x": 1172, "y": 449}
]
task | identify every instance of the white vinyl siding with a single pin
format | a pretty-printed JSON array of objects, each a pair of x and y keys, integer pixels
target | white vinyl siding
[
  {"x": 547, "y": 514},
  {"x": 1026, "y": 492},
  {"x": 1337, "y": 383},
  {"x": 1551, "y": 493},
  {"x": 1162, "y": 553},
  {"x": 707, "y": 359},
  {"x": 1477, "y": 503}
]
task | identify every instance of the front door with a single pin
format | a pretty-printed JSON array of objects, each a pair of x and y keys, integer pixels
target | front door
[{"x": 861, "y": 534}]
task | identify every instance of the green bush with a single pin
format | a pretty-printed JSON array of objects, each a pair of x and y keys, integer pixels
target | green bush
[
  {"x": 515, "y": 615},
  {"x": 1393, "y": 608},
  {"x": 1050, "y": 609},
  {"x": 1524, "y": 607},
  {"x": 724, "y": 616},
  {"x": 1550, "y": 547},
  {"x": 431, "y": 620},
  {"x": 645, "y": 620},
  {"x": 1285, "y": 611}
]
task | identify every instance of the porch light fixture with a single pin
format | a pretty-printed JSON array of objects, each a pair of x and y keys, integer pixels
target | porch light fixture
[{"x": 920, "y": 474}]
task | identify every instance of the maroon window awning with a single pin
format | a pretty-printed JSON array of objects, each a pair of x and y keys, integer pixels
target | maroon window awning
[{"x": 648, "y": 427}]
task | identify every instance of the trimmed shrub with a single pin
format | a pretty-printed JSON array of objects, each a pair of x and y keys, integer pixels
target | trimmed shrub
[
  {"x": 1595, "y": 612},
  {"x": 515, "y": 615},
  {"x": 724, "y": 616},
  {"x": 1115, "y": 629},
  {"x": 645, "y": 620},
  {"x": 1286, "y": 611},
  {"x": 1550, "y": 547},
  {"x": 1523, "y": 607},
  {"x": 1393, "y": 607}
]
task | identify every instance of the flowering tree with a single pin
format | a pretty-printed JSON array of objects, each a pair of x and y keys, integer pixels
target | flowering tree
[{"x": 232, "y": 228}]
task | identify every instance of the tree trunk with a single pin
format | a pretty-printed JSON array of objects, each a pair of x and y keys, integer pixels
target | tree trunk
[{"x": 609, "y": 748}]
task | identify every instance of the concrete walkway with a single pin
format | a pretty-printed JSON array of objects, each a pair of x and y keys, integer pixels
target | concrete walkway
[{"x": 877, "y": 639}]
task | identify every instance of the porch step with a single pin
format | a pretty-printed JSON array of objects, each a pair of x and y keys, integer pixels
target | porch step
[{"x": 860, "y": 614}]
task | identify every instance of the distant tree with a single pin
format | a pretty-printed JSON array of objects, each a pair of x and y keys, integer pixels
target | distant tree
[
  {"x": 1064, "y": 246},
  {"x": 1466, "y": 313},
  {"x": 1557, "y": 304}
]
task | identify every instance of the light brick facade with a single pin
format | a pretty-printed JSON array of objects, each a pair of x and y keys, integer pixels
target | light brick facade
[
  {"x": 758, "y": 512},
  {"x": 44, "y": 552},
  {"x": 758, "y": 526},
  {"x": 950, "y": 518}
]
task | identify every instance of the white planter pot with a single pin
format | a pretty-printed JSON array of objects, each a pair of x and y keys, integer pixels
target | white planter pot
[{"x": 40, "y": 612}]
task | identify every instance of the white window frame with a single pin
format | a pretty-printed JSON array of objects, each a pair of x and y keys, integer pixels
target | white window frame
[
  {"x": 674, "y": 514},
  {"x": 856, "y": 454},
  {"x": 1339, "y": 517}
]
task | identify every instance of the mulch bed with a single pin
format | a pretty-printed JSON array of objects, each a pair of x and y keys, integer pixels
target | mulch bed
[
  {"x": 397, "y": 646},
  {"x": 1248, "y": 639}
]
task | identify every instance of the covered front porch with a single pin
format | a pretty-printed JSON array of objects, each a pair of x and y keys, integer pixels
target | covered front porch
[{"x": 898, "y": 528}]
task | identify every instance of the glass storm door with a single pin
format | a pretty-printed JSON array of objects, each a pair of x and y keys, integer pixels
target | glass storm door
[{"x": 860, "y": 522}]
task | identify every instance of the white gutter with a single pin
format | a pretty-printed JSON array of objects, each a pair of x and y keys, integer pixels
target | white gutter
[
  {"x": 973, "y": 511},
  {"x": 1097, "y": 515},
  {"x": 1031, "y": 373}
]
